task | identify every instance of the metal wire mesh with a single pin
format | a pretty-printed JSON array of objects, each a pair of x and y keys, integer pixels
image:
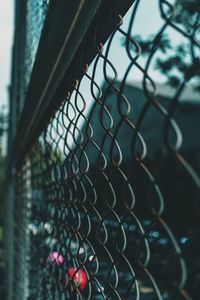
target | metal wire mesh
[{"x": 107, "y": 198}]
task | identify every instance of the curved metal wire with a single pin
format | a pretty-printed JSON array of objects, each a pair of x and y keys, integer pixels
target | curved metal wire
[{"x": 98, "y": 213}]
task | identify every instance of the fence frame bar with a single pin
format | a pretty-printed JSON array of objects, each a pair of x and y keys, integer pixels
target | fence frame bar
[{"x": 68, "y": 29}]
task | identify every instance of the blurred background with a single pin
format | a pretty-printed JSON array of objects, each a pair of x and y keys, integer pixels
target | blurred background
[{"x": 6, "y": 42}]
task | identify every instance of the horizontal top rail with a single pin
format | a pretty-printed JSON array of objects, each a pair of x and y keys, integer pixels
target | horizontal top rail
[{"x": 69, "y": 28}]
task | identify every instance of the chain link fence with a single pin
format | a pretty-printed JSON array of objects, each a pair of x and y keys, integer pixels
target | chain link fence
[{"x": 106, "y": 201}]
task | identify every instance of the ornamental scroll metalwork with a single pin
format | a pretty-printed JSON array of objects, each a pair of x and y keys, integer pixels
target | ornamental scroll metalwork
[{"x": 110, "y": 189}]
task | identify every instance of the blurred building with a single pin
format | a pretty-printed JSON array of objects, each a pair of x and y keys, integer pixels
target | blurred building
[
  {"x": 175, "y": 184},
  {"x": 152, "y": 126}
]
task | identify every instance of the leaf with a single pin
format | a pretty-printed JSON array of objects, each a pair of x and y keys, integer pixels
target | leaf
[
  {"x": 174, "y": 81},
  {"x": 164, "y": 43},
  {"x": 164, "y": 65}
]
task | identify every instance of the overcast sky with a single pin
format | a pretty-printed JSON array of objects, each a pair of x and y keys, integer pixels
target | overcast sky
[{"x": 6, "y": 41}]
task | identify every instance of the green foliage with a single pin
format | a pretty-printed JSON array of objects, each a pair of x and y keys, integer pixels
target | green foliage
[
  {"x": 162, "y": 43},
  {"x": 3, "y": 128},
  {"x": 186, "y": 12},
  {"x": 180, "y": 62},
  {"x": 3, "y": 123}
]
